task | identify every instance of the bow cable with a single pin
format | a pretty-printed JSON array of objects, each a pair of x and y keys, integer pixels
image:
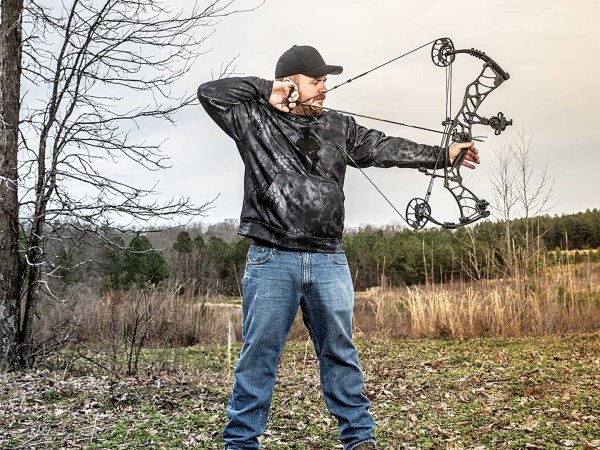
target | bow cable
[{"x": 444, "y": 144}]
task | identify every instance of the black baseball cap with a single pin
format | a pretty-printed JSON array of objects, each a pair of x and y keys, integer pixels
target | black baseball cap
[{"x": 305, "y": 60}]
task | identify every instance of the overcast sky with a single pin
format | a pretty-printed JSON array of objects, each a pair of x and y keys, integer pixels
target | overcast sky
[{"x": 549, "y": 47}]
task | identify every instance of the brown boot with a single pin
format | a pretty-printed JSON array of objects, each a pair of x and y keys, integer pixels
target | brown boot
[{"x": 366, "y": 446}]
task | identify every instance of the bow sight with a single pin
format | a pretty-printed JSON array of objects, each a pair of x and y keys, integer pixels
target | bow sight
[{"x": 498, "y": 123}]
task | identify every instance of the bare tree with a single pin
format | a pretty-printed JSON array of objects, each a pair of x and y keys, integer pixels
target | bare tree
[
  {"x": 94, "y": 73},
  {"x": 505, "y": 192},
  {"x": 520, "y": 192},
  {"x": 533, "y": 195}
]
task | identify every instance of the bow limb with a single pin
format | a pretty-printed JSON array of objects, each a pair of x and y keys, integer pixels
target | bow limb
[{"x": 490, "y": 78}]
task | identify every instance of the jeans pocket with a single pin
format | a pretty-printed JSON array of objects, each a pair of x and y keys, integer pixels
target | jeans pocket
[
  {"x": 338, "y": 258},
  {"x": 259, "y": 255}
]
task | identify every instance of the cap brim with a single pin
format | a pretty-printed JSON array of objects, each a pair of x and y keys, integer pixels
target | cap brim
[{"x": 325, "y": 70}]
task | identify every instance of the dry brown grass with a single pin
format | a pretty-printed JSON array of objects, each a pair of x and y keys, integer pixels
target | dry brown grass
[
  {"x": 162, "y": 318},
  {"x": 562, "y": 299}
]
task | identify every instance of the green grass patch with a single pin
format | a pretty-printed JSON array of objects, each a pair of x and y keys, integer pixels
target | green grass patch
[{"x": 426, "y": 394}]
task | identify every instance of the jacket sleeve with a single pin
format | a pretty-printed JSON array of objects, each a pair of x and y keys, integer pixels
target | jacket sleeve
[
  {"x": 226, "y": 100},
  {"x": 372, "y": 148}
]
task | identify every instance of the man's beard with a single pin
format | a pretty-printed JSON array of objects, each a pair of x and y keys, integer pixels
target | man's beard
[{"x": 309, "y": 110}]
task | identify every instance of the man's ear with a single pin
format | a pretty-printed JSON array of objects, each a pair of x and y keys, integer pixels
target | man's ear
[{"x": 292, "y": 78}]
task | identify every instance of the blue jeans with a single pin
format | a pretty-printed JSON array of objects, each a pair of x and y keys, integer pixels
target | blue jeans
[{"x": 275, "y": 284}]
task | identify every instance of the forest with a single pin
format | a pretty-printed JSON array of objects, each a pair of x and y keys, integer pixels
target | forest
[{"x": 209, "y": 260}]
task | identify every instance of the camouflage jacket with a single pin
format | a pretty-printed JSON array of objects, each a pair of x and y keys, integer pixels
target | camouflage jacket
[{"x": 295, "y": 166}]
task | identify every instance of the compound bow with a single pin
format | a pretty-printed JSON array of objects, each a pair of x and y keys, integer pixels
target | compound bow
[
  {"x": 418, "y": 211},
  {"x": 458, "y": 129}
]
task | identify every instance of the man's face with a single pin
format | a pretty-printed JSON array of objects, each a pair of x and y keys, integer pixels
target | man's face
[{"x": 312, "y": 92}]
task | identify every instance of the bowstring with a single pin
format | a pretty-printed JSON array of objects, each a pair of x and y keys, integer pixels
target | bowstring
[
  {"x": 378, "y": 67},
  {"x": 344, "y": 152},
  {"x": 350, "y": 80}
]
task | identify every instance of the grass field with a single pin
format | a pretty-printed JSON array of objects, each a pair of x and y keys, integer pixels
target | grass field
[{"x": 536, "y": 393}]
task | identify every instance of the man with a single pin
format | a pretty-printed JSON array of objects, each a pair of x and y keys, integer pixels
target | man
[{"x": 295, "y": 158}]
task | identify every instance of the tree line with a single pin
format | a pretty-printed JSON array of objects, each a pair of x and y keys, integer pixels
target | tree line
[{"x": 212, "y": 263}]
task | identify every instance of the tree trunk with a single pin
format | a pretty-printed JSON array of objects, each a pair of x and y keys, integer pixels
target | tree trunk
[
  {"x": 10, "y": 76},
  {"x": 34, "y": 256}
]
